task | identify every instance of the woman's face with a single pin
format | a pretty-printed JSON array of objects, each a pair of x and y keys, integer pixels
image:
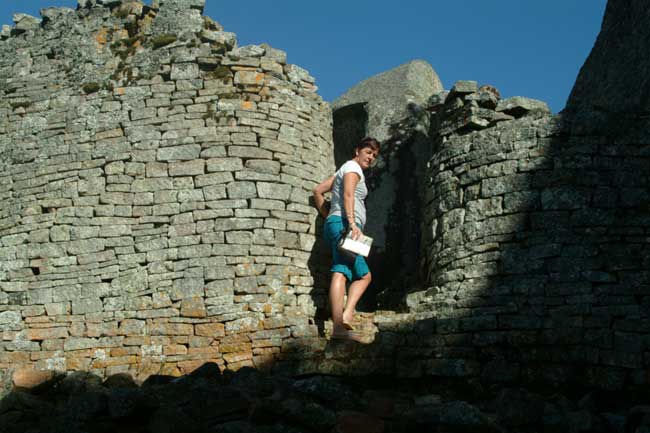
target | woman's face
[{"x": 365, "y": 156}]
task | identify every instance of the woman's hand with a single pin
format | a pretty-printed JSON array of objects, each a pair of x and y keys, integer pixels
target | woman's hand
[
  {"x": 355, "y": 232},
  {"x": 319, "y": 195}
]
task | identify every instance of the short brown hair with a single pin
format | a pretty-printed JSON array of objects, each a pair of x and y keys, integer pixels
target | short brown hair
[{"x": 368, "y": 142}]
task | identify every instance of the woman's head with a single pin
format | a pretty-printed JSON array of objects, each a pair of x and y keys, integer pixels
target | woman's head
[{"x": 366, "y": 151}]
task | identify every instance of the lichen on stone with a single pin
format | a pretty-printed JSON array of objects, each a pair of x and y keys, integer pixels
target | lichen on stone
[
  {"x": 91, "y": 87},
  {"x": 163, "y": 40}
]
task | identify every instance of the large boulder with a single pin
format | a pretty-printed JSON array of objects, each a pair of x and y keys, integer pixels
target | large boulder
[{"x": 387, "y": 95}]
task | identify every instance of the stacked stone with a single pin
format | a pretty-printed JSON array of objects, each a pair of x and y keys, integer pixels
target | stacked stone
[
  {"x": 155, "y": 209},
  {"x": 537, "y": 253},
  {"x": 468, "y": 107}
]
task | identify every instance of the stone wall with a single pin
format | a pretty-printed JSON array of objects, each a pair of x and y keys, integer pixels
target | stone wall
[
  {"x": 154, "y": 180},
  {"x": 539, "y": 255}
]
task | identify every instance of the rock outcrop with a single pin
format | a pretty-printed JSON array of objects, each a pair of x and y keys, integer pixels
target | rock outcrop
[
  {"x": 386, "y": 96},
  {"x": 614, "y": 79}
]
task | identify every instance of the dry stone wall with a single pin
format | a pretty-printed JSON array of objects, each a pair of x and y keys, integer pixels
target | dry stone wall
[
  {"x": 537, "y": 255},
  {"x": 154, "y": 180}
]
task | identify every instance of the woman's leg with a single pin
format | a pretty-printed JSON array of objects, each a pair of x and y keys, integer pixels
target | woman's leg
[
  {"x": 354, "y": 294},
  {"x": 337, "y": 293}
]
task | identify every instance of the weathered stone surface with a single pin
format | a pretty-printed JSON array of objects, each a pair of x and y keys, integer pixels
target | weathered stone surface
[
  {"x": 193, "y": 307},
  {"x": 26, "y": 22},
  {"x": 463, "y": 87},
  {"x": 611, "y": 78},
  {"x": 29, "y": 378},
  {"x": 149, "y": 201},
  {"x": 519, "y": 106},
  {"x": 388, "y": 94},
  {"x": 10, "y": 321}
]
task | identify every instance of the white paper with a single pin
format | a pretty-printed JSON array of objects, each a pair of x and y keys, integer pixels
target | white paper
[{"x": 360, "y": 246}]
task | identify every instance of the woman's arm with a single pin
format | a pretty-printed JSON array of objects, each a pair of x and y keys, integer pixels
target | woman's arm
[
  {"x": 319, "y": 197},
  {"x": 350, "y": 181}
]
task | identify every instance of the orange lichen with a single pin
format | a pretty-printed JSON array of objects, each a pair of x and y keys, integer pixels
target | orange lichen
[{"x": 101, "y": 37}]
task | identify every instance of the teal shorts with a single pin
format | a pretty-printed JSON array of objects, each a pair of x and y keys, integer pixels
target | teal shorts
[{"x": 353, "y": 269}]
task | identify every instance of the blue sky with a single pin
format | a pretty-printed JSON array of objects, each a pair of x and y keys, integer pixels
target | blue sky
[{"x": 522, "y": 47}]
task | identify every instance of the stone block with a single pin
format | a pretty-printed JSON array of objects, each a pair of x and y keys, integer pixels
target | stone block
[
  {"x": 39, "y": 296},
  {"x": 151, "y": 185},
  {"x": 250, "y": 78},
  {"x": 60, "y": 233},
  {"x": 85, "y": 306},
  {"x": 184, "y": 71},
  {"x": 275, "y": 191},
  {"x": 178, "y": 5},
  {"x": 178, "y": 153},
  {"x": 227, "y": 39},
  {"x": 79, "y": 343},
  {"x": 186, "y": 288},
  {"x": 249, "y": 152},
  {"x": 480, "y": 209},
  {"x": 130, "y": 282},
  {"x": 83, "y": 232},
  {"x": 286, "y": 239},
  {"x": 132, "y": 327},
  {"x": 464, "y": 87},
  {"x": 519, "y": 106},
  {"x": 241, "y": 189},
  {"x": 230, "y": 250},
  {"x": 187, "y": 168},
  {"x": 213, "y": 179},
  {"x": 193, "y": 307},
  {"x": 267, "y": 204},
  {"x": 249, "y": 269},
  {"x": 214, "y": 330},
  {"x": 39, "y": 334},
  {"x": 166, "y": 209},
  {"x": 224, "y": 164},
  {"x": 27, "y": 378},
  {"x": 501, "y": 185},
  {"x": 263, "y": 166},
  {"x": 194, "y": 251},
  {"x": 244, "y": 325},
  {"x": 263, "y": 237},
  {"x": 56, "y": 309},
  {"x": 156, "y": 169},
  {"x": 225, "y": 224},
  {"x": 167, "y": 328}
]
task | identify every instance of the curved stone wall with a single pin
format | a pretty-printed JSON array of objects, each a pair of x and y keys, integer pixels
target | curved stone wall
[
  {"x": 539, "y": 252},
  {"x": 154, "y": 180}
]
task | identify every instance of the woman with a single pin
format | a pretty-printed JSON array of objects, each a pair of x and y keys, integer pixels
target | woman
[{"x": 347, "y": 212}]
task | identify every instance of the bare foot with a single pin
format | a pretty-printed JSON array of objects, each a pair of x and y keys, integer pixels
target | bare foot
[{"x": 348, "y": 317}]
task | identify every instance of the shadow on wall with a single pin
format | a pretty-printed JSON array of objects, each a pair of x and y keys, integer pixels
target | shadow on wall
[
  {"x": 540, "y": 254},
  {"x": 539, "y": 259}
]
